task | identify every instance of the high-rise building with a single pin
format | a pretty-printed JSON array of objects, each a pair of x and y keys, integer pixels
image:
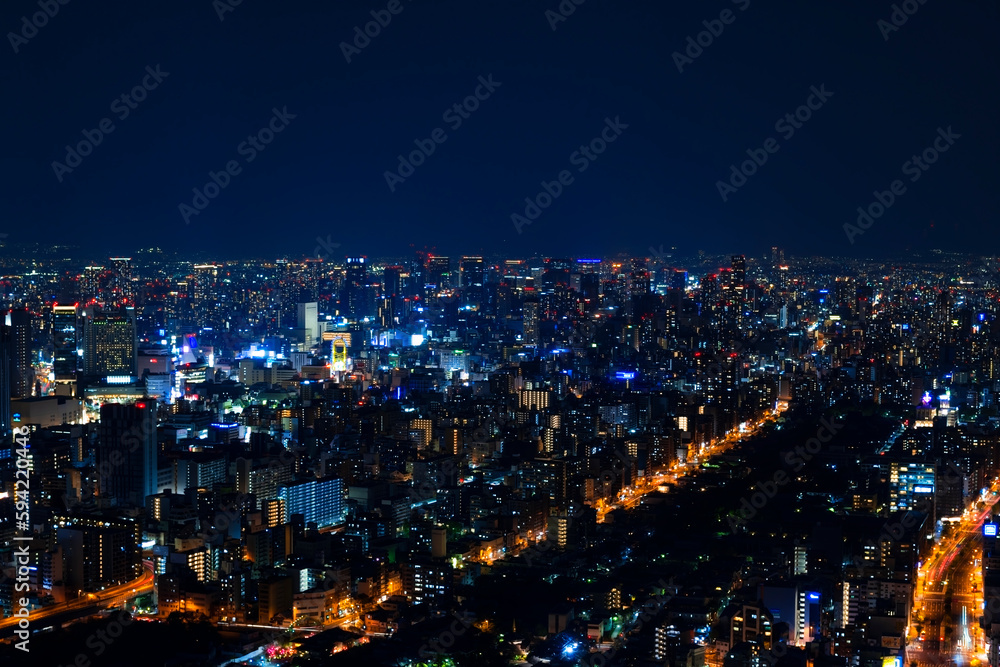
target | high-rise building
[
  {"x": 737, "y": 288},
  {"x": 418, "y": 275},
  {"x": 98, "y": 551},
  {"x": 473, "y": 276},
  {"x": 911, "y": 485},
  {"x": 64, "y": 343},
  {"x": 739, "y": 275},
  {"x": 109, "y": 345},
  {"x": 91, "y": 283},
  {"x": 6, "y": 364},
  {"x": 319, "y": 501},
  {"x": 392, "y": 281},
  {"x": 352, "y": 298},
  {"x": 21, "y": 374},
  {"x": 308, "y": 321},
  {"x": 532, "y": 311},
  {"x": 126, "y": 452},
  {"x": 438, "y": 271},
  {"x": 206, "y": 286},
  {"x": 472, "y": 271},
  {"x": 120, "y": 289}
]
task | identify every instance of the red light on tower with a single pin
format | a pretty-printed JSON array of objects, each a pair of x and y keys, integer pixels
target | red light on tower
[{"x": 141, "y": 406}]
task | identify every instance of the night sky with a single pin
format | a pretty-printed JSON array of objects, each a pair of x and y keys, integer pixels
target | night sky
[{"x": 324, "y": 174}]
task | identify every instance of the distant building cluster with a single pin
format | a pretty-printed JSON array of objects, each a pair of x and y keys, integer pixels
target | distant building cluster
[{"x": 727, "y": 461}]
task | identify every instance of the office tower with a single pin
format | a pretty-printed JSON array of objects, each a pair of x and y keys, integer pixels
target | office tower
[
  {"x": 438, "y": 271},
  {"x": 109, "y": 345},
  {"x": 352, "y": 297},
  {"x": 556, "y": 272},
  {"x": 777, "y": 257},
  {"x": 472, "y": 276},
  {"x": 418, "y": 275},
  {"x": 64, "y": 344},
  {"x": 911, "y": 486},
  {"x": 98, "y": 551},
  {"x": 319, "y": 501},
  {"x": 384, "y": 312},
  {"x": 739, "y": 266},
  {"x": 91, "y": 283},
  {"x": 126, "y": 452},
  {"x": 532, "y": 311},
  {"x": 21, "y": 374},
  {"x": 120, "y": 289},
  {"x": 472, "y": 271},
  {"x": 737, "y": 289},
  {"x": 6, "y": 365},
  {"x": 639, "y": 282},
  {"x": 206, "y": 286},
  {"x": 391, "y": 281},
  {"x": 308, "y": 321}
]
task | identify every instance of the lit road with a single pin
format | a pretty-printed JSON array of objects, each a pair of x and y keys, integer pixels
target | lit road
[
  {"x": 631, "y": 496},
  {"x": 110, "y": 597},
  {"x": 948, "y": 597}
]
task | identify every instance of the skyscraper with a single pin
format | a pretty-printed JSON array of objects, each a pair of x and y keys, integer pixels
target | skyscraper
[
  {"x": 91, "y": 283},
  {"x": 6, "y": 363},
  {"x": 126, "y": 452},
  {"x": 738, "y": 277},
  {"x": 21, "y": 375},
  {"x": 472, "y": 275},
  {"x": 472, "y": 269},
  {"x": 438, "y": 271},
  {"x": 737, "y": 286},
  {"x": 64, "y": 343},
  {"x": 206, "y": 287},
  {"x": 109, "y": 345},
  {"x": 308, "y": 322},
  {"x": 392, "y": 280},
  {"x": 532, "y": 310},
  {"x": 120, "y": 286},
  {"x": 352, "y": 297}
]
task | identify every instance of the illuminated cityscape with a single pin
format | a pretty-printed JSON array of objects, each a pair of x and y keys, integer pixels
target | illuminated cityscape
[
  {"x": 438, "y": 333},
  {"x": 728, "y": 461}
]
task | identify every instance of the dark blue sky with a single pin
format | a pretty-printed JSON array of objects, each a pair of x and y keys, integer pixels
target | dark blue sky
[{"x": 324, "y": 174}]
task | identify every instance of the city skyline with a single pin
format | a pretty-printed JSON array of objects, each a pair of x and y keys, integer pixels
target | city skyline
[{"x": 525, "y": 332}]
